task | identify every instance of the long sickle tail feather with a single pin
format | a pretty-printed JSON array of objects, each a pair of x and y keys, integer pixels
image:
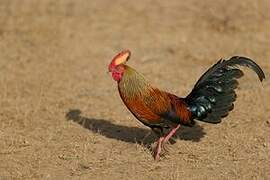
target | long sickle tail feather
[{"x": 214, "y": 93}]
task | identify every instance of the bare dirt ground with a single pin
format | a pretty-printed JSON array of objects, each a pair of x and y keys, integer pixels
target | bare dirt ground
[{"x": 61, "y": 116}]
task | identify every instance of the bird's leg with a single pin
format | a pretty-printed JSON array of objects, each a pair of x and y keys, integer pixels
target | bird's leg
[
  {"x": 170, "y": 134},
  {"x": 145, "y": 136},
  {"x": 158, "y": 148},
  {"x": 162, "y": 140}
]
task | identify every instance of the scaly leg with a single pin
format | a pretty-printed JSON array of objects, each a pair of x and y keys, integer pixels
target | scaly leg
[
  {"x": 162, "y": 140},
  {"x": 158, "y": 148},
  {"x": 145, "y": 136},
  {"x": 170, "y": 134}
]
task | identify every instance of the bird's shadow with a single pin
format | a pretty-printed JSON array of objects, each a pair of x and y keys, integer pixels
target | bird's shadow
[{"x": 129, "y": 134}]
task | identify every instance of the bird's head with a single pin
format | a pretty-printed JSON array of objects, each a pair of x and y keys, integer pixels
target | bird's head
[{"x": 116, "y": 67}]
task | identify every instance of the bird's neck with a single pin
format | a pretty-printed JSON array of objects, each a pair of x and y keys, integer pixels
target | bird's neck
[{"x": 133, "y": 84}]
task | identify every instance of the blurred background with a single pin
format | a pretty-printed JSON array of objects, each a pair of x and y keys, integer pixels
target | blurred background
[{"x": 53, "y": 64}]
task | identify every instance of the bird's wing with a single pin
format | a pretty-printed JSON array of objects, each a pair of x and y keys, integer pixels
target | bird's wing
[
  {"x": 158, "y": 108},
  {"x": 148, "y": 108}
]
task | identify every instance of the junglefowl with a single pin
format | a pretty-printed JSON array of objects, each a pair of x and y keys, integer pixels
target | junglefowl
[{"x": 210, "y": 100}]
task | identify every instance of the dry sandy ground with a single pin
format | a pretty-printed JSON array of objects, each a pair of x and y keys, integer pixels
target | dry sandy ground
[{"x": 61, "y": 116}]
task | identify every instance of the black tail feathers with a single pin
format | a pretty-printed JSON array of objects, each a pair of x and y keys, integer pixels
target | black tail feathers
[{"x": 214, "y": 93}]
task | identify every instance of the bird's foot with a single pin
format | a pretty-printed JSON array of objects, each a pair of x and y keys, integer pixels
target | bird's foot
[
  {"x": 158, "y": 148},
  {"x": 162, "y": 142}
]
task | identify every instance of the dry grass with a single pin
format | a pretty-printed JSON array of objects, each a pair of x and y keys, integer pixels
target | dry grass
[{"x": 61, "y": 117}]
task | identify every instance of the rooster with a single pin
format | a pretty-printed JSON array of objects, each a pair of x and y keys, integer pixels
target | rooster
[{"x": 210, "y": 100}]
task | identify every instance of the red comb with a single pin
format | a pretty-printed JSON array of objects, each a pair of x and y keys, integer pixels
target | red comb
[{"x": 120, "y": 58}]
